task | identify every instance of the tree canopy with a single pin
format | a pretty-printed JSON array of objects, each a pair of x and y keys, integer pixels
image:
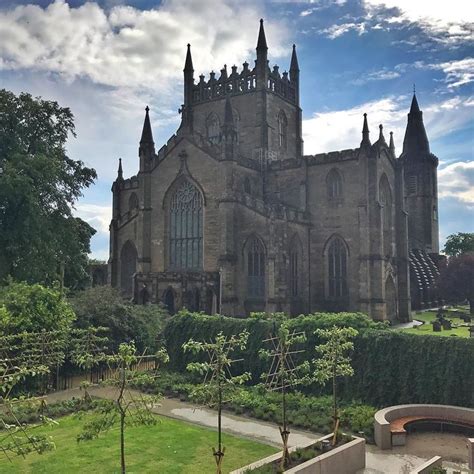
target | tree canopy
[
  {"x": 456, "y": 280},
  {"x": 39, "y": 185},
  {"x": 33, "y": 308},
  {"x": 458, "y": 244}
]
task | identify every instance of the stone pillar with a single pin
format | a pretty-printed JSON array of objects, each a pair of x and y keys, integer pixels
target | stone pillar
[{"x": 470, "y": 449}]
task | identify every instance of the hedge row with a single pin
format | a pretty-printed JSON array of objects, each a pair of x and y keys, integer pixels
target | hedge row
[{"x": 391, "y": 367}]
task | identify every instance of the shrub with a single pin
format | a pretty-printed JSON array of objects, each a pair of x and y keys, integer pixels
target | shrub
[
  {"x": 390, "y": 367},
  {"x": 33, "y": 308},
  {"x": 104, "y": 306}
]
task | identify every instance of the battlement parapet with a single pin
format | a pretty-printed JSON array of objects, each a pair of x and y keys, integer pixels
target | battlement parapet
[
  {"x": 332, "y": 156},
  {"x": 241, "y": 83}
]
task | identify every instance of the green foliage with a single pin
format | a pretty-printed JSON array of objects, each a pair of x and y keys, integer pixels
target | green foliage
[
  {"x": 390, "y": 367},
  {"x": 458, "y": 244},
  {"x": 219, "y": 382},
  {"x": 104, "y": 306},
  {"x": 456, "y": 279},
  {"x": 305, "y": 411},
  {"x": 33, "y": 308},
  {"x": 39, "y": 184},
  {"x": 333, "y": 360}
]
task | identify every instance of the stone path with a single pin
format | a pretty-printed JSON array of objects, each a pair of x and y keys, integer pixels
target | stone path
[{"x": 396, "y": 461}]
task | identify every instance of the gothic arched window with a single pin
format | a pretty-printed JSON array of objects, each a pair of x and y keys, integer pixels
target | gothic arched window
[
  {"x": 387, "y": 209},
  {"x": 295, "y": 262},
  {"x": 334, "y": 185},
  {"x": 132, "y": 202},
  {"x": 337, "y": 269},
  {"x": 255, "y": 267},
  {"x": 128, "y": 267},
  {"x": 282, "y": 130},
  {"x": 185, "y": 218},
  {"x": 213, "y": 128}
]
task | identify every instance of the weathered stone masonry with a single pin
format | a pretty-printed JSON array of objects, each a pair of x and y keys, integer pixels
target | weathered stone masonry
[{"x": 230, "y": 216}]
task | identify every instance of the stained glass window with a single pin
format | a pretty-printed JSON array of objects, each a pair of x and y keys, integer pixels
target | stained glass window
[
  {"x": 337, "y": 266},
  {"x": 255, "y": 268},
  {"x": 186, "y": 228}
]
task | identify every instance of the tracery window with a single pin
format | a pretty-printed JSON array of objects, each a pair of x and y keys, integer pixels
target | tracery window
[
  {"x": 282, "y": 130},
  {"x": 213, "y": 128},
  {"x": 132, "y": 202},
  {"x": 387, "y": 210},
  {"x": 255, "y": 268},
  {"x": 337, "y": 269},
  {"x": 334, "y": 185},
  {"x": 186, "y": 221},
  {"x": 294, "y": 272}
]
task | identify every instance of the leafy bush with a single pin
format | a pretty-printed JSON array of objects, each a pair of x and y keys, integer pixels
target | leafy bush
[
  {"x": 390, "y": 367},
  {"x": 33, "y": 308},
  {"x": 308, "y": 412},
  {"x": 104, "y": 306}
]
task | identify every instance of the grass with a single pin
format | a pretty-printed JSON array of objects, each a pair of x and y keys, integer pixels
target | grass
[
  {"x": 427, "y": 317},
  {"x": 170, "y": 447}
]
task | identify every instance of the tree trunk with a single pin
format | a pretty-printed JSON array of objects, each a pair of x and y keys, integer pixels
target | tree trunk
[{"x": 122, "y": 442}]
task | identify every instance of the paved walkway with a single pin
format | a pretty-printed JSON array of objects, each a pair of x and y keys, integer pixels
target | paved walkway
[{"x": 396, "y": 461}]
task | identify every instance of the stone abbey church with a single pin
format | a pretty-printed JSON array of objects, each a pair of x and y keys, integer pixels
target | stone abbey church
[{"x": 231, "y": 217}]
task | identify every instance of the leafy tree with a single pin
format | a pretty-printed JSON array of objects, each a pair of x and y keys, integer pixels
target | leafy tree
[
  {"x": 284, "y": 374},
  {"x": 104, "y": 306},
  {"x": 458, "y": 244},
  {"x": 334, "y": 361},
  {"x": 127, "y": 407},
  {"x": 39, "y": 184},
  {"x": 218, "y": 380},
  {"x": 456, "y": 280},
  {"x": 33, "y": 308}
]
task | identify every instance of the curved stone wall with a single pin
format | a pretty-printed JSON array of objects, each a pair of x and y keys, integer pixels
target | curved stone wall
[{"x": 383, "y": 418}]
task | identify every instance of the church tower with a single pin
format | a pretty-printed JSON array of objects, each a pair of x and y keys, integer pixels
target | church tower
[{"x": 421, "y": 185}]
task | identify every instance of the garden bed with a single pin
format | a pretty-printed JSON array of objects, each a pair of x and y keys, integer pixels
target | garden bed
[{"x": 347, "y": 457}]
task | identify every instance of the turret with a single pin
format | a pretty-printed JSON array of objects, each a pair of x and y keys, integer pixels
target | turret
[
  {"x": 365, "y": 134},
  {"x": 188, "y": 71},
  {"x": 391, "y": 146},
  {"x": 261, "y": 63},
  {"x": 295, "y": 73},
  {"x": 116, "y": 187},
  {"x": 421, "y": 184},
  {"x": 415, "y": 142},
  {"x": 146, "y": 150}
]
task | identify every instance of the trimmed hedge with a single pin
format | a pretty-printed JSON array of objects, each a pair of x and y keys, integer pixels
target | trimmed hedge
[{"x": 391, "y": 367}]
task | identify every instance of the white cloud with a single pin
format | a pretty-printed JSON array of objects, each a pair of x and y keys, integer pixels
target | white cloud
[
  {"x": 128, "y": 47},
  {"x": 454, "y": 11},
  {"x": 96, "y": 215},
  {"x": 457, "y": 73},
  {"x": 335, "y": 31},
  {"x": 457, "y": 180},
  {"x": 450, "y": 21},
  {"x": 339, "y": 129},
  {"x": 382, "y": 75}
]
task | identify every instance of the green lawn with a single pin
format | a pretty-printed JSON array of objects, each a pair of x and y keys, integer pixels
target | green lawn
[
  {"x": 168, "y": 447},
  {"x": 428, "y": 316}
]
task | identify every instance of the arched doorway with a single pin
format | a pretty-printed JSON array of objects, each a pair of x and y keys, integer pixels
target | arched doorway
[
  {"x": 391, "y": 300},
  {"x": 168, "y": 300},
  {"x": 128, "y": 267}
]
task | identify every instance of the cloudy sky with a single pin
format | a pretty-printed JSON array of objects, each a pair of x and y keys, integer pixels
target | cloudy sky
[{"x": 108, "y": 59}]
